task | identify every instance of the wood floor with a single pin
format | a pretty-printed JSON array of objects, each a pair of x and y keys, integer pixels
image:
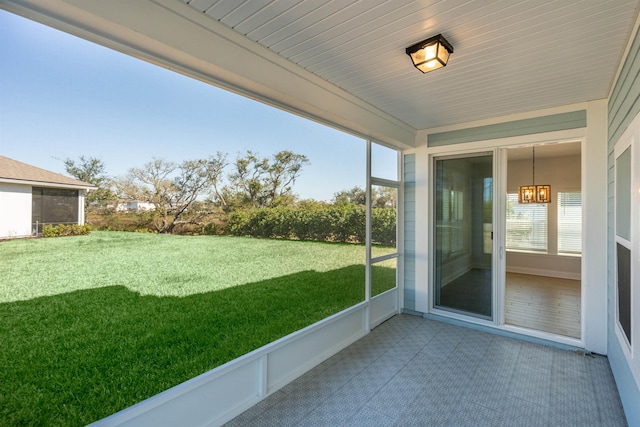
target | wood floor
[{"x": 543, "y": 303}]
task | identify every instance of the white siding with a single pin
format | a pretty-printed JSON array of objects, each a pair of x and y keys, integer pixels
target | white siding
[{"x": 15, "y": 210}]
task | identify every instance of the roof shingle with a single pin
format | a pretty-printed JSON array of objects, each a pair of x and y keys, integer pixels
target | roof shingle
[{"x": 14, "y": 170}]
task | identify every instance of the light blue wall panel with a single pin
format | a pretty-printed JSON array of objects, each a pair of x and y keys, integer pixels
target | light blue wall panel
[
  {"x": 409, "y": 231},
  {"x": 555, "y": 122},
  {"x": 410, "y": 209},
  {"x": 624, "y": 106},
  {"x": 624, "y": 103}
]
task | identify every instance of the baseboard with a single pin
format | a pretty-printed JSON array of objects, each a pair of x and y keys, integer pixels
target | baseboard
[{"x": 545, "y": 273}]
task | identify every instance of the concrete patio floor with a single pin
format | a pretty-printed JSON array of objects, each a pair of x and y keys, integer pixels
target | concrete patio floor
[{"x": 411, "y": 371}]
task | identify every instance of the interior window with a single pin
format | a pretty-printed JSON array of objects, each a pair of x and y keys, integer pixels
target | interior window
[
  {"x": 526, "y": 226},
  {"x": 569, "y": 223}
]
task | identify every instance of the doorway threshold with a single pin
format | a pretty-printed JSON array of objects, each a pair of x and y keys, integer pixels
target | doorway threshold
[{"x": 532, "y": 336}]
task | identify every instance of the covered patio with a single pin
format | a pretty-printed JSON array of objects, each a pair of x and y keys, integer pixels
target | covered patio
[
  {"x": 416, "y": 371},
  {"x": 523, "y": 74}
]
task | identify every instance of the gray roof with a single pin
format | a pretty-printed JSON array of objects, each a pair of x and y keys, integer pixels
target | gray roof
[{"x": 13, "y": 170}]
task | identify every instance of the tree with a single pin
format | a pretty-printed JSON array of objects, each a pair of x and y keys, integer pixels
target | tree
[
  {"x": 92, "y": 171},
  {"x": 283, "y": 171},
  {"x": 172, "y": 188},
  {"x": 355, "y": 196},
  {"x": 246, "y": 181},
  {"x": 262, "y": 182},
  {"x": 382, "y": 197}
]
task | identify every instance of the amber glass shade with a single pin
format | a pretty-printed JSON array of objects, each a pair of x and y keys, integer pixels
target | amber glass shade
[
  {"x": 543, "y": 194},
  {"x": 527, "y": 194},
  {"x": 430, "y": 54}
]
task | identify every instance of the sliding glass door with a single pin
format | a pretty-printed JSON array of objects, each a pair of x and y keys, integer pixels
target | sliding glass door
[{"x": 463, "y": 218}]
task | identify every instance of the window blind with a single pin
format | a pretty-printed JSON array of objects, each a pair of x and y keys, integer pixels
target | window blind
[
  {"x": 526, "y": 225},
  {"x": 569, "y": 222}
]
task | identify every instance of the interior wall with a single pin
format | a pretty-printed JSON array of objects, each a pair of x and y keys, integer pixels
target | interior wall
[{"x": 563, "y": 174}]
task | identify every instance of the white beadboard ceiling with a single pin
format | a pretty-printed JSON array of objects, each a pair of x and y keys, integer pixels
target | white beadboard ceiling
[{"x": 510, "y": 56}]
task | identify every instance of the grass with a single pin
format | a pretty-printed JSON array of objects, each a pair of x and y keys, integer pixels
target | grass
[{"x": 93, "y": 324}]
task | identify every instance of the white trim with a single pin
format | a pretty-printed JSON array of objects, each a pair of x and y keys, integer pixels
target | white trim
[
  {"x": 510, "y": 328},
  {"x": 625, "y": 141},
  {"x": 400, "y": 234},
  {"x": 384, "y": 257},
  {"x": 368, "y": 222},
  {"x": 47, "y": 184},
  {"x": 562, "y": 339},
  {"x": 81, "y": 212},
  {"x": 630, "y": 139},
  {"x": 500, "y": 235},
  {"x": 435, "y": 155},
  {"x": 381, "y": 182},
  {"x": 594, "y": 186},
  {"x": 384, "y": 306},
  {"x": 423, "y": 248},
  {"x": 219, "y": 395},
  {"x": 388, "y": 303},
  {"x": 593, "y": 336},
  {"x": 453, "y": 314},
  {"x": 495, "y": 257}
]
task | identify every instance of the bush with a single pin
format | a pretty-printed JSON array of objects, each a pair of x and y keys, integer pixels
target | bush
[
  {"x": 383, "y": 226},
  {"x": 336, "y": 223},
  {"x": 61, "y": 230},
  {"x": 211, "y": 229},
  {"x": 115, "y": 221}
]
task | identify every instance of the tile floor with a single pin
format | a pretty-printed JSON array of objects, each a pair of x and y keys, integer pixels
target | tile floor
[{"x": 412, "y": 371}]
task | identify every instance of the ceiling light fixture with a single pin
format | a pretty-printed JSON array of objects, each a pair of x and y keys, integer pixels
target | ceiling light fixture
[
  {"x": 534, "y": 193},
  {"x": 430, "y": 54}
]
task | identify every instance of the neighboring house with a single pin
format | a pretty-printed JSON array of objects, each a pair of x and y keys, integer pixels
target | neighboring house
[
  {"x": 31, "y": 197},
  {"x": 135, "y": 206},
  {"x": 533, "y": 73}
]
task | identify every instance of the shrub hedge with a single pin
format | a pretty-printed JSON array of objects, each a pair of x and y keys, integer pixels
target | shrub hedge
[
  {"x": 337, "y": 223},
  {"x": 61, "y": 230},
  {"x": 319, "y": 222}
]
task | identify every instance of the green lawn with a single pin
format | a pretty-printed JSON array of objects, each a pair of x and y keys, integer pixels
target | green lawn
[{"x": 90, "y": 325}]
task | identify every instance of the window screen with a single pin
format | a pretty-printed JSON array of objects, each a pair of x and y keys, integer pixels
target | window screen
[{"x": 54, "y": 206}]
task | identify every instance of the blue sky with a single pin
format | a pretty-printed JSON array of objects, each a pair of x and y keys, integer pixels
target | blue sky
[{"x": 63, "y": 97}]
